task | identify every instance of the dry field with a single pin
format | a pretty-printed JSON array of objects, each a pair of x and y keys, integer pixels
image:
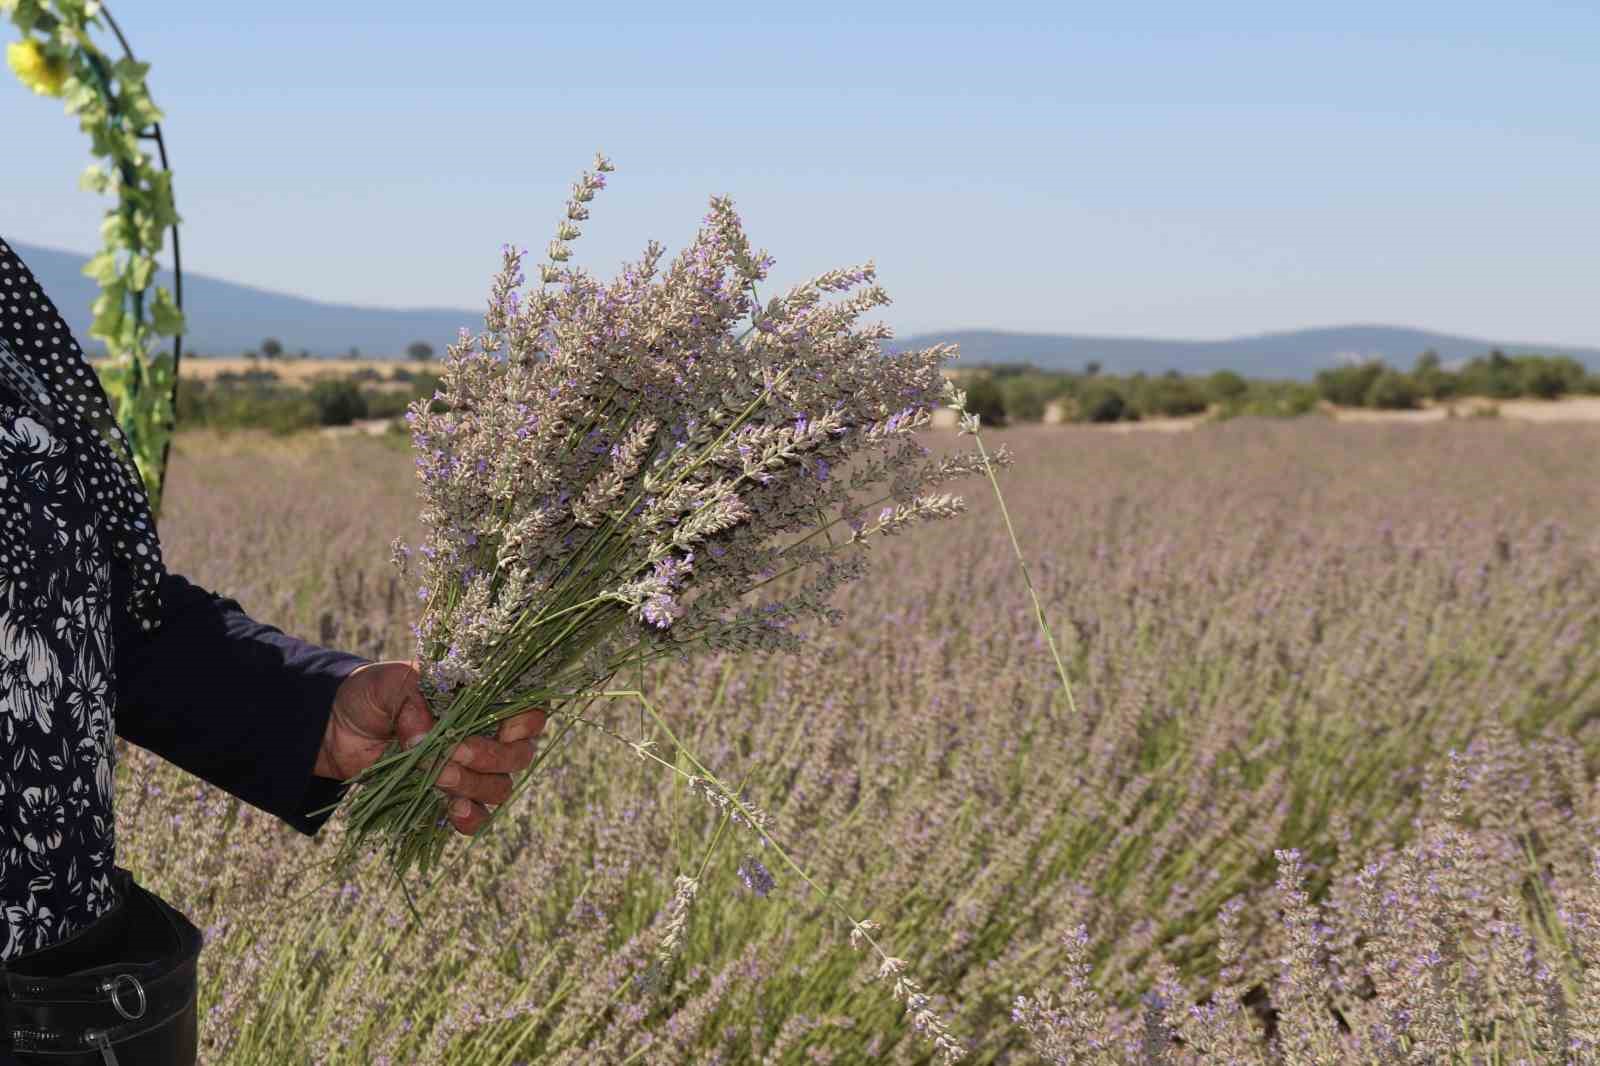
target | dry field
[
  {"x": 301, "y": 372},
  {"x": 1275, "y": 634},
  {"x": 1565, "y": 409}
]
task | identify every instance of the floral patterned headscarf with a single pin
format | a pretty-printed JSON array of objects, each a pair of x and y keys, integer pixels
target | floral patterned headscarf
[{"x": 43, "y": 364}]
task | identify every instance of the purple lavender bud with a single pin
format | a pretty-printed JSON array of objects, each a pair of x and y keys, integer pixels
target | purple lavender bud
[{"x": 755, "y": 876}]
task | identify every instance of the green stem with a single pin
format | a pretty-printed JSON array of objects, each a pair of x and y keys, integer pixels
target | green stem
[
  {"x": 1037, "y": 610},
  {"x": 716, "y": 782}
]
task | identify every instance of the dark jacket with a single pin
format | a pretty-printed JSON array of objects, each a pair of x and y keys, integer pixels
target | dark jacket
[{"x": 233, "y": 701}]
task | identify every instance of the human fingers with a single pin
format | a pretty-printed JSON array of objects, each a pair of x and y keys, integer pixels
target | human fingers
[
  {"x": 528, "y": 724},
  {"x": 468, "y": 817},
  {"x": 413, "y": 721},
  {"x": 457, "y": 781},
  {"x": 490, "y": 756}
]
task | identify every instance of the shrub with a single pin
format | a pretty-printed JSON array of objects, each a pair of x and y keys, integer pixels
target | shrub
[
  {"x": 1225, "y": 387},
  {"x": 1024, "y": 397},
  {"x": 385, "y": 403},
  {"x": 338, "y": 403},
  {"x": 1431, "y": 379},
  {"x": 1494, "y": 375},
  {"x": 1171, "y": 398},
  {"x": 985, "y": 400},
  {"x": 1100, "y": 401},
  {"x": 1348, "y": 386},
  {"x": 1549, "y": 378},
  {"x": 1393, "y": 391},
  {"x": 229, "y": 405}
]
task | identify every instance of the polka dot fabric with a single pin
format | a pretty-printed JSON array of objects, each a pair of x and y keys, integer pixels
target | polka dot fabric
[{"x": 34, "y": 332}]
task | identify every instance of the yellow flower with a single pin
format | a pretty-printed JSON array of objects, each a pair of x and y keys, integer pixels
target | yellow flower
[{"x": 43, "y": 74}]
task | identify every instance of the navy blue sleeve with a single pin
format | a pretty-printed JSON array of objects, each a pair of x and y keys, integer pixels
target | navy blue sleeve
[{"x": 233, "y": 701}]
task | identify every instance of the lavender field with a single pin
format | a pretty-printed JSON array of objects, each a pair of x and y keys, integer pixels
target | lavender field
[{"x": 1242, "y": 840}]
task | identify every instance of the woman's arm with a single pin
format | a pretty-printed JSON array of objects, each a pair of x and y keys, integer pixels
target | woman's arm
[{"x": 231, "y": 700}]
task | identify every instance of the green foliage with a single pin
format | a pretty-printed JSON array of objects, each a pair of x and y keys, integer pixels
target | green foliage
[
  {"x": 419, "y": 351},
  {"x": 1393, "y": 391},
  {"x": 338, "y": 402},
  {"x": 1348, "y": 386},
  {"x": 257, "y": 399},
  {"x": 270, "y": 348},
  {"x": 1494, "y": 375},
  {"x": 1226, "y": 387},
  {"x": 985, "y": 400},
  {"x": 252, "y": 405},
  {"x": 1025, "y": 396},
  {"x": 1550, "y": 377},
  {"x": 386, "y": 403},
  {"x": 1099, "y": 400},
  {"x": 1169, "y": 397},
  {"x": 140, "y": 387},
  {"x": 1432, "y": 381},
  {"x": 1272, "y": 399}
]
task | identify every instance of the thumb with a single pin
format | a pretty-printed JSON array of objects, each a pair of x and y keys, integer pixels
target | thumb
[{"x": 413, "y": 721}]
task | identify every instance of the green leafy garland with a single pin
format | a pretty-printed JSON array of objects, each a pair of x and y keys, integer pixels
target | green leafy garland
[{"x": 57, "y": 58}]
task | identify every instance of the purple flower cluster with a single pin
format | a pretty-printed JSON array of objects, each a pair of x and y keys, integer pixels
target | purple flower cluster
[{"x": 755, "y": 876}]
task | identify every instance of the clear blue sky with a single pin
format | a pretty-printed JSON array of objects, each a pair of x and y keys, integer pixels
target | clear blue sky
[{"x": 1139, "y": 168}]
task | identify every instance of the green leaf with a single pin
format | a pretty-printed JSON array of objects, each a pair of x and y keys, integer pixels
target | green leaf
[
  {"x": 161, "y": 199},
  {"x": 114, "y": 230},
  {"x": 167, "y": 320},
  {"x": 102, "y": 268},
  {"x": 94, "y": 179},
  {"x": 129, "y": 72},
  {"x": 25, "y": 13},
  {"x": 158, "y": 374},
  {"x": 138, "y": 108},
  {"x": 79, "y": 98},
  {"x": 113, "y": 378},
  {"x": 140, "y": 268},
  {"x": 149, "y": 230},
  {"x": 128, "y": 333},
  {"x": 110, "y": 296},
  {"x": 108, "y": 313}
]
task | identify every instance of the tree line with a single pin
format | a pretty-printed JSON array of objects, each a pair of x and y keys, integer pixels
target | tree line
[{"x": 1021, "y": 392}]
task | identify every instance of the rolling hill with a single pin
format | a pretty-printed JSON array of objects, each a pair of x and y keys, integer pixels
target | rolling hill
[{"x": 227, "y": 318}]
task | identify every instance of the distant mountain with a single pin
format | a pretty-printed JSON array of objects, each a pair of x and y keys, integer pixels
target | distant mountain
[
  {"x": 226, "y": 318},
  {"x": 1297, "y": 354}
]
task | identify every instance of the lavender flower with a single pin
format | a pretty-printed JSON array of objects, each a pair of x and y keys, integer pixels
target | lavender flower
[{"x": 755, "y": 876}]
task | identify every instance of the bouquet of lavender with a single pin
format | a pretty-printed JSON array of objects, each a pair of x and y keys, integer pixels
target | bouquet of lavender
[{"x": 617, "y": 473}]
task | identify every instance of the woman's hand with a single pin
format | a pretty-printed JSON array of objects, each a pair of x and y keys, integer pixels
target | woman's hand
[{"x": 381, "y": 702}]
